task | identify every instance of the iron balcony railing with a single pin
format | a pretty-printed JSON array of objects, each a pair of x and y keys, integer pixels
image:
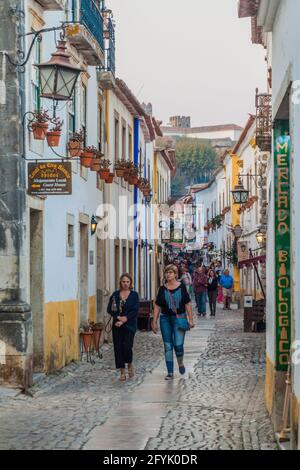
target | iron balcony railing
[
  {"x": 264, "y": 121},
  {"x": 92, "y": 19}
]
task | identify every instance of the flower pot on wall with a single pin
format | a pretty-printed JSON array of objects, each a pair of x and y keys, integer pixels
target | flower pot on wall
[
  {"x": 39, "y": 130},
  {"x": 104, "y": 173},
  {"x": 96, "y": 164},
  {"x": 74, "y": 148},
  {"x": 53, "y": 138},
  {"x": 86, "y": 158},
  {"x": 109, "y": 179}
]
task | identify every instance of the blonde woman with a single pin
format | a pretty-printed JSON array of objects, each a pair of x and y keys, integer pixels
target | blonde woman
[
  {"x": 172, "y": 300},
  {"x": 123, "y": 306}
]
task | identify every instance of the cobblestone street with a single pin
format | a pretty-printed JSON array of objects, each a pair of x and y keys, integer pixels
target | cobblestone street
[{"x": 219, "y": 404}]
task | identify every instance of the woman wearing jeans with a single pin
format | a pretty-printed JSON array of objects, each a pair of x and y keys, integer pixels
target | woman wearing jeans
[{"x": 172, "y": 299}]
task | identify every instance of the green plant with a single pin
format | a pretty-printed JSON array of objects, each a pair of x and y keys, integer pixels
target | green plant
[
  {"x": 77, "y": 136},
  {"x": 41, "y": 116},
  {"x": 57, "y": 125}
]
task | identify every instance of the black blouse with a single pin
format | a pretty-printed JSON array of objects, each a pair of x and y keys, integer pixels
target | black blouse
[{"x": 180, "y": 298}]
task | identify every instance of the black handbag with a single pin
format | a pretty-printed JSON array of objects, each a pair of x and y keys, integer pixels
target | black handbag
[{"x": 181, "y": 319}]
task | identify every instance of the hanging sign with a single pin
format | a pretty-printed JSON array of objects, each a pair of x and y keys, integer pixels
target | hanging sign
[
  {"x": 49, "y": 178},
  {"x": 282, "y": 250}
]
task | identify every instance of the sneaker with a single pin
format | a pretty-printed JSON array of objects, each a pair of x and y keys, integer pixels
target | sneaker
[
  {"x": 169, "y": 377},
  {"x": 182, "y": 370}
]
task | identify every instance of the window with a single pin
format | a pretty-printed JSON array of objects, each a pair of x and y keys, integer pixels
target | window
[
  {"x": 35, "y": 82},
  {"x": 116, "y": 139},
  {"x": 123, "y": 141},
  {"x": 83, "y": 115},
  {"x": 72, "y": 10},
  {"x": 130, "y": 155},
  {"x": 72, "y": 114},
  {"x": 84, "y": 111},
  {"x": 70, "y": 245}
]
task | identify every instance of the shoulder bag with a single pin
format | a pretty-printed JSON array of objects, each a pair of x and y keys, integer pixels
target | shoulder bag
[{"x": 181, "y": 319}]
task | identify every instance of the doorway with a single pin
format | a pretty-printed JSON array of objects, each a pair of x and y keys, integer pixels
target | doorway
[
  {"x": 83, "y": 272},
  {"x": 37, "y": 287},
  {"x": 100, "y": 277}
]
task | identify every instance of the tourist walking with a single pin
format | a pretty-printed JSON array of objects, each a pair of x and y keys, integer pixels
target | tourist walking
[
  {"x": 123, "y": 306},
  {"x": 200, "y": 289},
  {"x": 173, "y": 305},
  {"x": 212, "y": 290},
  {"x": 186, "y": 279},
  {"x": 226, "y": 281}
]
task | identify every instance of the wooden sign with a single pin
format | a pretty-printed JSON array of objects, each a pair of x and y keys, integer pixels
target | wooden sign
[{"x": 49, "y": 178}]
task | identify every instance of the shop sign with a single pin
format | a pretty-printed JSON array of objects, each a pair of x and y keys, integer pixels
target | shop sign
[
  {"x": 49, "y": 178},
  {"x": 282, "y": 250}
]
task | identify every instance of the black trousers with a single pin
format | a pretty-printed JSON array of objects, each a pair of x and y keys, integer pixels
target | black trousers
[
  {"x": 123, "y": 343},
  {"x": 212, "y": 297}
]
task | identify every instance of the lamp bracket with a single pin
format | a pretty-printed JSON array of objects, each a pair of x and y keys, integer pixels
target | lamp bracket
[{"x": 37, "y": 35}]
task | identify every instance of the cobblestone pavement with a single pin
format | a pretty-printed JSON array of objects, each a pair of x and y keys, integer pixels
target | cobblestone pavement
[
  {"x": 66, "y": 406},
  {"x": 222, "y": 404},
  {"x": 218, "y": 405}
]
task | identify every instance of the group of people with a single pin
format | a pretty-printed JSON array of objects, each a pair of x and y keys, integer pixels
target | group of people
[
  {"x": 209, "y": 284},
  {"x": 172, "y": 308}
]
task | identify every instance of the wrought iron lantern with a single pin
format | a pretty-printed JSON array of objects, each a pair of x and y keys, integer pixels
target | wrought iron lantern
[
  {"x": 58, "y": 76},
  {"x": 94, "y": 224},
  {"x": 261, "y": 237},
  {"x": 240, "y": 194}
]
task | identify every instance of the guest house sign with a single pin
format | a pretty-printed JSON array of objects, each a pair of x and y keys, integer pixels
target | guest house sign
[
  {"x": 48, "y": 178},
  {"x": 282, "y": 250}
]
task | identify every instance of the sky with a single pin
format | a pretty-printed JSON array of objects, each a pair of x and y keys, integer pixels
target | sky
[{"x": 189, "y": 57}]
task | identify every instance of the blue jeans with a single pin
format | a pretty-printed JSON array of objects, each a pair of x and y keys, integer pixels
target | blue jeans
[
  {"x": 201, "y": 302},
  {"x": 173, "y": 338}
]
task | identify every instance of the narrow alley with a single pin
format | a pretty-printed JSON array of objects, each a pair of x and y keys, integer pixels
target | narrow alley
[{"x": 218, "y": 404}]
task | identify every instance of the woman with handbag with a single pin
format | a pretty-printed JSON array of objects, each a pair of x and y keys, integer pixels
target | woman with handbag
[
  {"x": 123, "y": 306},
  {"x": 176, "y": 318}
]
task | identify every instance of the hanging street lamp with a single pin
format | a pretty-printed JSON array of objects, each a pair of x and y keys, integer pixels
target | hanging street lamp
[
  {"x": 94, "y": 224},
  {"x": 240, "y": 194},
  {"x": 58, "y": 76},
  {"x": 261, "y": 237}
]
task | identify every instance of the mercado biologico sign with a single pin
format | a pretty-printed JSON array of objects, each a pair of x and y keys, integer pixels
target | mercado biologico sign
[
  {"x": 282, "y": 250},
  {"x": 48, "y": 178}
]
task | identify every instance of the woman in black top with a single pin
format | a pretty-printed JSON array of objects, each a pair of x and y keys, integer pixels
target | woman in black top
[
  {"x": 123, "y": 306},
  {"x": 172, "y": 299},
  {"x": 212, "y": 291}
]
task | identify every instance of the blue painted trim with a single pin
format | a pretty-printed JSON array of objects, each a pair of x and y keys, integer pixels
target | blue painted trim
[{"x": 136, "y": 139}]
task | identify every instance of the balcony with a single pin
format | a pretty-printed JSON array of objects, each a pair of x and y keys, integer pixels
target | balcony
[
  {"x": 264, "y": 121},
  {"x": 51, "y": 4},
  {"x": 106, "y": 73},
  {"x": 85, "y": 32}
]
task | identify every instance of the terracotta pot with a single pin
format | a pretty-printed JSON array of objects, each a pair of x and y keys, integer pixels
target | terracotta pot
[
  {"x": 126, "y": 175},
  {"x": 87, "y": 337},
  {"x": 96, "y": 164},
  {"x": 39, "y": 130},
  {"x": 135, "y": 179},
  {"x": 97, "y": 335},
  {"x": 74, "y": 148},
  {"x": 87, "y": 158},
  {"x": 131, "y": 179},
  {"x": 110, "y": 178},
  {"x": 104, "y": 173},
  {"x": 53, "y": 138},
  {"x": 120, "y": 172}
]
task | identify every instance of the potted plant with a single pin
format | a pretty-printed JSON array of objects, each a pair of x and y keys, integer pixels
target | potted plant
[
  {"x": 53, "y": 135},
  {"x": 87, "y": 156},
  {"x": 75, "y": 144},
  {"x": 120, "y": 167},
  {"x": 127, "y": 170},
  {"x": 97, "y": 329},
  {"x": 109, "y": 179},
  {"x": 86, "y": 336},
  {"x": 40, "y": 124},
  {"x": 133, "y": 176},
  {"x": 104, "y": 168}
]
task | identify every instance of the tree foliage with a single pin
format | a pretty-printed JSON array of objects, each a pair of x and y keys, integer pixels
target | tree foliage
[{"x": 195, "y": 159}]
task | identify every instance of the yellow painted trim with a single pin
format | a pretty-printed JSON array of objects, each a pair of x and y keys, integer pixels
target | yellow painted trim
[
  {"x": 61, "y": 334},
  {"x": 269, "y": 384},
  {"x": 236, "y": 220}
]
